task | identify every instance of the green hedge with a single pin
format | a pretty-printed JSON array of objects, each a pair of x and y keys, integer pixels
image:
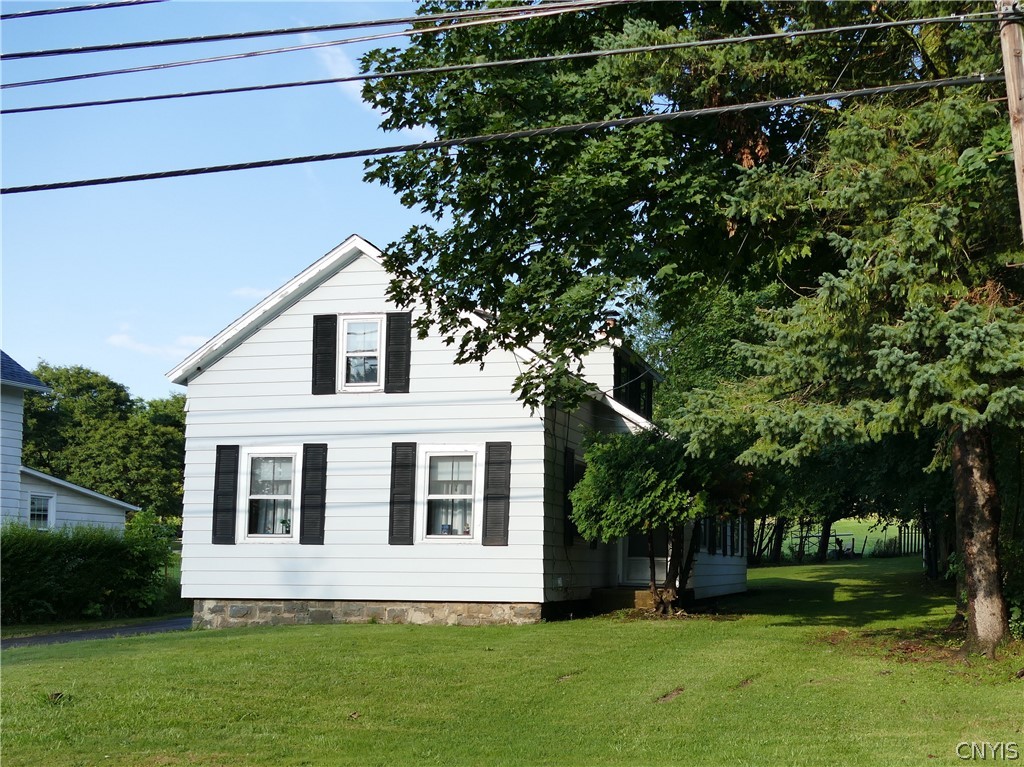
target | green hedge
[{"x": 81, "y": 572}]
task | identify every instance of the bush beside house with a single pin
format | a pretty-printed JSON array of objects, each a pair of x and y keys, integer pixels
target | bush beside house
[{"x": 71, "y": 573}]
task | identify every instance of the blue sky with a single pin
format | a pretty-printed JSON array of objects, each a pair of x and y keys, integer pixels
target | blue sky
[{"x": 128, "y": 279}]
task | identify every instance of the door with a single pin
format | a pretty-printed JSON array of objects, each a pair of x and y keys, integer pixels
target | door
[{"x": 636, "y": 568}]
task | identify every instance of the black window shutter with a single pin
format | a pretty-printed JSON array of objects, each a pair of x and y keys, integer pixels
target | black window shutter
[
  {"x": 225, "y": 494},
  {"x": 314, "y": 494},
  {"x": 569, "y": 473},
  {"x": 403, "y": 493},
  {"x": 325, "y": 354},
  {"x": 712, "y": 532},
  {"x": 398, "y": 352},
  {"x": 497, "y": 488}
]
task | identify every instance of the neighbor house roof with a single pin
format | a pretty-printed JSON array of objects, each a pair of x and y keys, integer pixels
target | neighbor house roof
[
  {"x": 13, "y": 374},
  {"x": 77, "y": 488}
]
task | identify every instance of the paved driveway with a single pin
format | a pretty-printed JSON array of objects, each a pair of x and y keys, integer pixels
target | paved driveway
[{"x": 153, "y": 627}]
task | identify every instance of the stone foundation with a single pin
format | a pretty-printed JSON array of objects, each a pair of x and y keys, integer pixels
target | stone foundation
[{"x": 229, "y": 613}]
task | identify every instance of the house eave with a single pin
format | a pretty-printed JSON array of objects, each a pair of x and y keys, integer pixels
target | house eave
[
  {"x": 41, "y": 389},
  {"x": 77, "y": 488},
  {"x": 623, "y": 412}
]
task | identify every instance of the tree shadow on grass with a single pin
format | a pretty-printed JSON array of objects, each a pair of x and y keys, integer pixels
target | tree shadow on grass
[{"x": 854, "y": 594}]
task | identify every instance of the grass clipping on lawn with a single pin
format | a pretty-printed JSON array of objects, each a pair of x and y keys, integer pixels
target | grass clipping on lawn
[{"x": 817, "y": 665}]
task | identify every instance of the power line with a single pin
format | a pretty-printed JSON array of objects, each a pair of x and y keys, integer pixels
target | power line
[
  {"x": 972, "y": 18},
  {"x": 454, "y": 15},
  {"x": 73, "y": 8},
  {"x": 555, "y": 130},
  {"x": 525, "y": 13}
]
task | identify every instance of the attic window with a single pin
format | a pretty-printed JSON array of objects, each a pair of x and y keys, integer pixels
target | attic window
[{"x": 361, "y": 352}]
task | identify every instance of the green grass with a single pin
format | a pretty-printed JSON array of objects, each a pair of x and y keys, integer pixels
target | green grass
[{"x": 837, "y": 664}]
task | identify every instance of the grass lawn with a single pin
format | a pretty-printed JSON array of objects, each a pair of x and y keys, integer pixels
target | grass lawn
[{"x": 834, "y": 664}]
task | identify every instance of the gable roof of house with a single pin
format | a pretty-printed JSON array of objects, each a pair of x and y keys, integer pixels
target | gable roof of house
[
  {"x": 77, "y": 488},
  {"x": 302, "y": 285},
  {"x": 13, "y": 374},
  {"x": 281, "y": 299}
]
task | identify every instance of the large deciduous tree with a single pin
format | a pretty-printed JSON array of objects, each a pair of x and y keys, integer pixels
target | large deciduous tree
[
  {"x": 89, "y": 430},
  {"x": 545, "y": 233},
  {"x": 891, "y": 218}
]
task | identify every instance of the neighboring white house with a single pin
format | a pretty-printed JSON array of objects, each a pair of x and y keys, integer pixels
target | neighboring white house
[
  {"x": 339, "y": 468},
  {"x": 30, "y": 496}
]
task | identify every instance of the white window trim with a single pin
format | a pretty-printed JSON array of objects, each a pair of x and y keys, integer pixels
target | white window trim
[
  {"x": 245, "y": 473},
  {"x": 343, "y": 352},
  {"x": 51, "y": 509},
  {"x": 423, "y": 455}
]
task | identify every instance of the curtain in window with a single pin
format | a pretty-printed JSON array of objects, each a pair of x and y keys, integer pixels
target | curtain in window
[
  {"x": 361, "y": 352},
  {"x": 447, "y": 513}
]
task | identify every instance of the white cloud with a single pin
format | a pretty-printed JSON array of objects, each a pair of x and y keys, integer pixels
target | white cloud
[
  {"x": 180, "y": 348},
  {"x": 246, "y": 292},
  {"x": 338, "y": 64}
]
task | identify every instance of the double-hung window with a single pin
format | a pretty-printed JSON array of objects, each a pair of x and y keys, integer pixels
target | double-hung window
[
  {"x": 271, "y": 495},
  {"x": 40, "y": 511},
  {"x": 450, "y": 494},
  {"x": 361, "y": 357}
]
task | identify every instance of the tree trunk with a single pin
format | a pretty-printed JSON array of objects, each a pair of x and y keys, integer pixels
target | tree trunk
[
  {"x": 759, "y": 546},
  {"x": 802, "y": 542},
  {"x": 748, "y": 539},
  {"x": 929, "y": 540},
  {"x": 659, "y": 605},
  {"x": 691, "y": 554},
  {"x": 823, "y": 541},
  {"x": 671, "y": 586},
  {"x": 778, "y": 536},
  {"x": 977, "y": 512}
]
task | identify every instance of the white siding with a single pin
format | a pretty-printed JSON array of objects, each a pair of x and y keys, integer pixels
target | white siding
[
  {"x": 599, "y": 368},
  {"x": 258, "y": 395},
  {"x": 715, "y": 575},
  {"x": 11, "y": 418},
  {"x": 572, "y": 569},
  {"x": 72, "y": 508}
]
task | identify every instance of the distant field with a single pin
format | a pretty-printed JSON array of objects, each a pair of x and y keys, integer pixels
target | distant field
[
  {"x": 860, "y": 533},
  {"x": 842, "y": 663}
]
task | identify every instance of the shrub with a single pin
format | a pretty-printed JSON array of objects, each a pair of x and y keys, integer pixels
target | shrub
[
  {"x": 84, "y": 572},
  {"x": 887, "y": 547},
  {"x": 1012, "y": 561}
]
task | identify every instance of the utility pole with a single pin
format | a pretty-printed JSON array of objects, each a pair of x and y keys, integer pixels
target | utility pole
[{"x": 1013, "y": 65}]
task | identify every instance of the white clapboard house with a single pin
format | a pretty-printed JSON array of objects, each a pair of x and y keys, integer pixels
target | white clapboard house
[
  {"x": 32, "y": 497},
  {"x": 338, "y": 468}
]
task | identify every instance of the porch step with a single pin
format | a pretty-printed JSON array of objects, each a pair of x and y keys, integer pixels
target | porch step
[{"x": 607, "y": 600}]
